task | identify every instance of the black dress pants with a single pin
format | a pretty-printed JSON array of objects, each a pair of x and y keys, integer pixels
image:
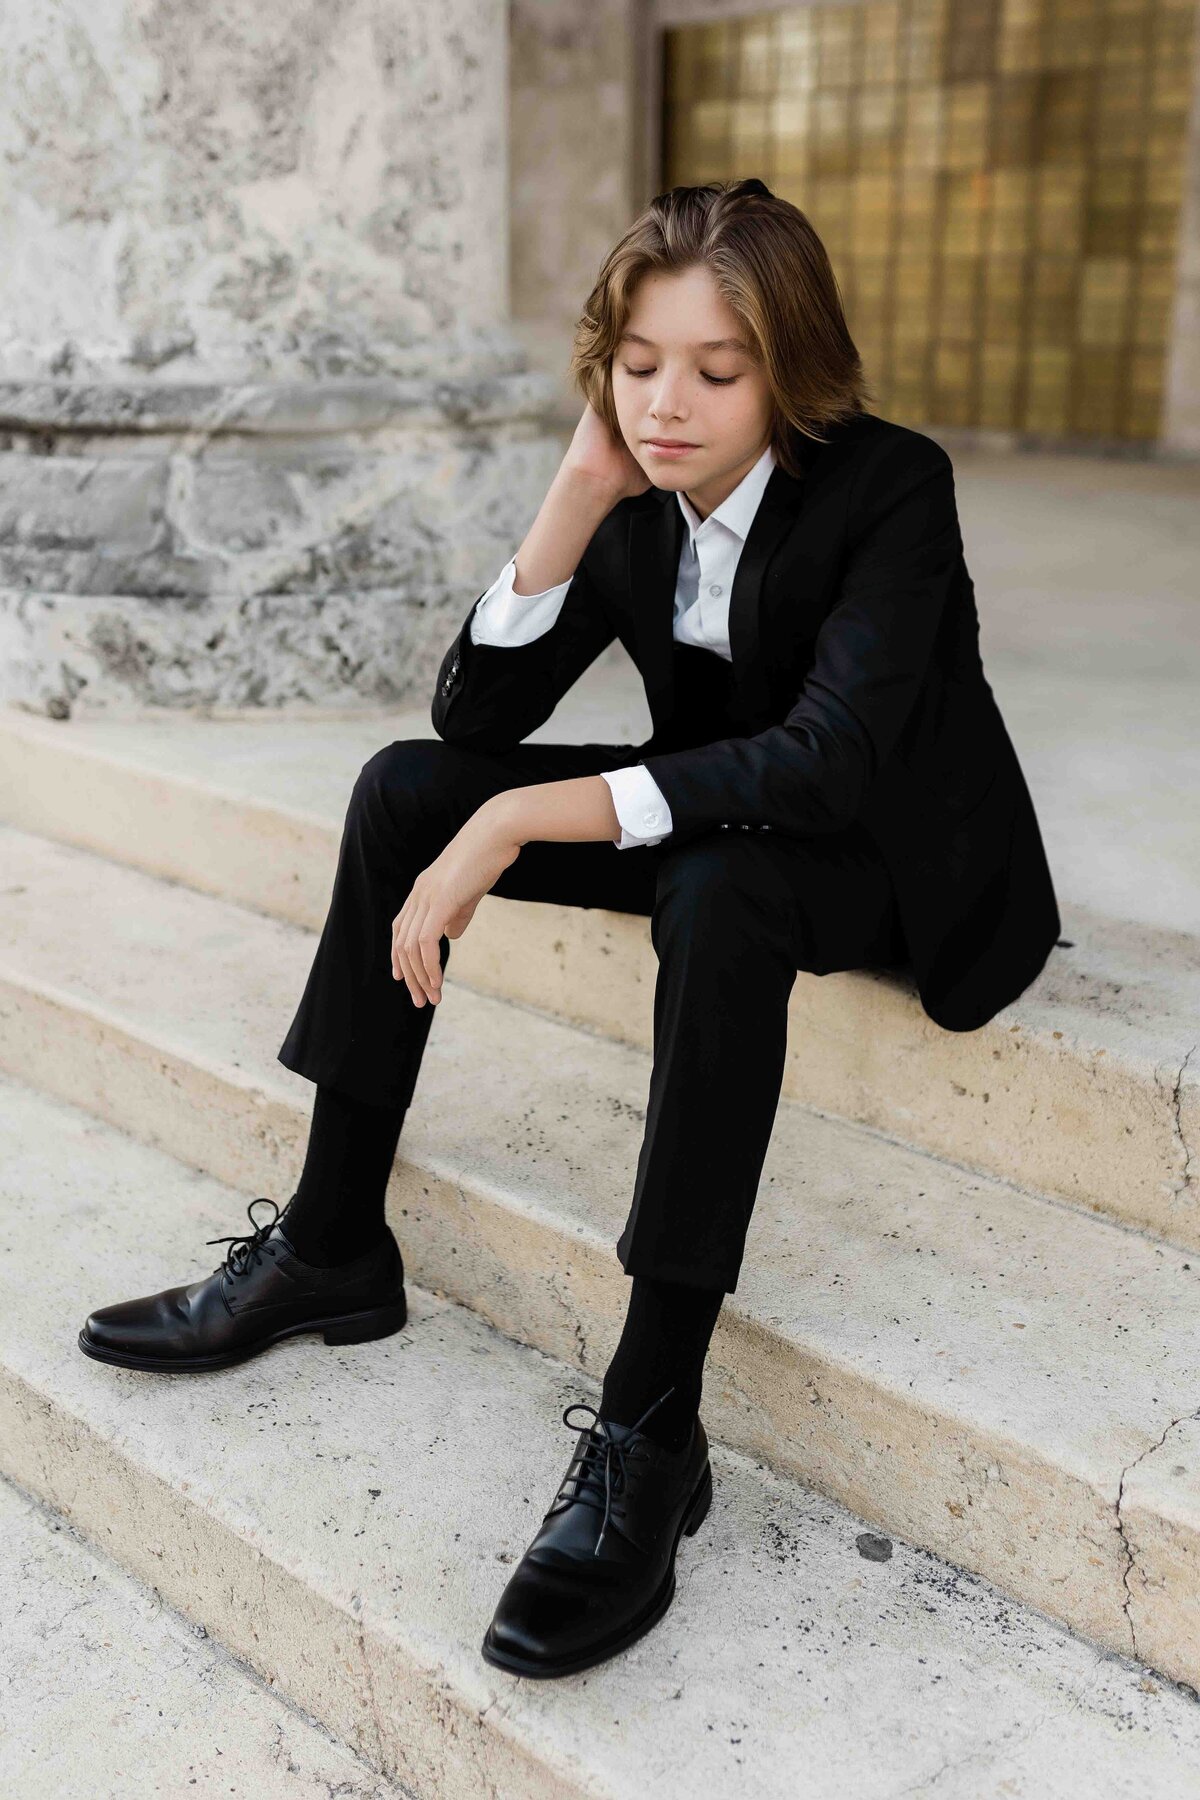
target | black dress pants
[{"x": 733, "y": 915}]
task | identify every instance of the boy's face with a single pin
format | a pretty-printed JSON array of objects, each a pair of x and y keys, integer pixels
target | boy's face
[{"x": 668, "y": 386}]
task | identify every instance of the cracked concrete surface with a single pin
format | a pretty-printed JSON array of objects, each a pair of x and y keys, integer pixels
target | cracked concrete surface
[
  {"x": 1160, "y": 1575},
  {"x": 1127, "y": 1547}
]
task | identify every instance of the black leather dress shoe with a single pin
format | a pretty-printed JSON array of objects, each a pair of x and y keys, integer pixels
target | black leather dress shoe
[
  {"x": 601, "y": 1569},
  {"x": 261, "y": 1292}
]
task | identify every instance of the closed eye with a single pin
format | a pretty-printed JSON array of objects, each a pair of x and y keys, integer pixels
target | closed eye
[{"x": 716, "y": 380}]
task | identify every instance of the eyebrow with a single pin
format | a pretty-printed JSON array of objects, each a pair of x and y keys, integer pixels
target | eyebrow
[{"x": 730, "y": 343}]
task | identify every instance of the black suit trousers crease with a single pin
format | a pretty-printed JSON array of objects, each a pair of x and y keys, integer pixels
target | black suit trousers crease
[{"x": 734, "y": 914}]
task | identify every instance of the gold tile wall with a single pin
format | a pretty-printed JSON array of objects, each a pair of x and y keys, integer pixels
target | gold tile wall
[{"x": 997, "y": 182}]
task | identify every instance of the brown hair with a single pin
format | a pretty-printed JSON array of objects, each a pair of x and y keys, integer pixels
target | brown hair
[{"x": 774, "y": 273}]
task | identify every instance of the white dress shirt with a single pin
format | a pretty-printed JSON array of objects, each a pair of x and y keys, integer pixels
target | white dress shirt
[{"x": 708, "y": 558}]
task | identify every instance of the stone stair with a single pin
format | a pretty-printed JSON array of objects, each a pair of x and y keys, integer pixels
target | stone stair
[
  {"x": 967, "y": 1312},
  {"x": 180, "y": 1714},
  {"x": 342, "y": 1521},
  {"x": 1088, "y": 1088}
]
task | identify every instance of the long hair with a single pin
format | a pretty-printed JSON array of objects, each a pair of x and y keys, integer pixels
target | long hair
[{"x": 775, "y": 275}]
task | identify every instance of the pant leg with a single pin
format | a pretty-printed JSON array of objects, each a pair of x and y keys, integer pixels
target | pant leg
[
  {"x": 356, "y": 1028},
  {"x": 736, "y": 916}
]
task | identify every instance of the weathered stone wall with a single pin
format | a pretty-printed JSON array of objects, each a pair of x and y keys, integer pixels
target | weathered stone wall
[
  {"x": 264, "y": 426},
  {"x": 578, "y": 174},
  {"x": 299, "y": 187}
]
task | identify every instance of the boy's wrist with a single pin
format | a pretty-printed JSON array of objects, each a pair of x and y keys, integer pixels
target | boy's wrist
[
  {"x": 503, "y": 816},
  {"x": 589, "y": 490}
]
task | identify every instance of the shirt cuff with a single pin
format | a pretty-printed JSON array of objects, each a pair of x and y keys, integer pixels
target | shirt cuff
[
  {"x": 641, "y": 806},
  {"x": 509, "y": 620}
]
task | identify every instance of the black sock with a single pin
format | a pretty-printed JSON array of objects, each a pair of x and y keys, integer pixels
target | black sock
[
  {"x": 663, "y": 1344},
  {"x": 337, "y": 1212}
]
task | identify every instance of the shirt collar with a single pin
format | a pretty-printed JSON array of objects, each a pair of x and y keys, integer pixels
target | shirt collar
[{"x": 737, "y": 510}]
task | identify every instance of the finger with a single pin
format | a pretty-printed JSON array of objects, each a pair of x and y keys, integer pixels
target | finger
[
  {"x": 415, "y": 943},
  {"x": 410, "y": 976},
  {"x": 429, "y": 940},
  {"x": 399, "y": 926},
  {"x": 400, "y": 957},
  {"x": 433, "y": 968},
  {"x": 413, "y": 951}
]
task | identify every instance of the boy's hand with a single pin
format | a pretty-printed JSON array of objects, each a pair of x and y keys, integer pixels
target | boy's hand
[
  {"x": 597, "y": 455},
  {"x": 444, "y": 897}
]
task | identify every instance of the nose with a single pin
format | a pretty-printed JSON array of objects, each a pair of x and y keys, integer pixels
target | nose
[{"x": 666, "y": 404}]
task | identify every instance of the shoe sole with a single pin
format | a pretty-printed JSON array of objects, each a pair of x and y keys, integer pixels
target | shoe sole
[
  {"x": 343, "y": 1328},
  {"x": 693, "y": 1517}
]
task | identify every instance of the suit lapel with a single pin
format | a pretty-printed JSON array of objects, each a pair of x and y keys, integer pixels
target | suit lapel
[
  {"x": 747, "y": 624},
  {"x": 656, "y": 532}
]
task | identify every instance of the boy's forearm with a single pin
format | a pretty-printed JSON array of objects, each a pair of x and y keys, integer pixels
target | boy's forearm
[
  {"x": 579, "y": 810},
  {"x": 567, "y": 520}
]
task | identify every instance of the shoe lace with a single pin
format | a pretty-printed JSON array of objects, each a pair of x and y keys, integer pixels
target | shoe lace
[
  {"x": 592, "y": 1471},
  {"x": 248, "y": 1248}
]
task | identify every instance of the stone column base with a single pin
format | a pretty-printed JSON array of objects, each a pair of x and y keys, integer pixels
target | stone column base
[{"x": 252, "y": 545}]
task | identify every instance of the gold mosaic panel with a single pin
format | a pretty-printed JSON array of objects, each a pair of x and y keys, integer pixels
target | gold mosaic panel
[{"x": 997, "y": 182}]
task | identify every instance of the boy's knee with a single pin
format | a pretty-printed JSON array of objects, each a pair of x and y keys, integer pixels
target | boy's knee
[{"x": 412, "y": 765}]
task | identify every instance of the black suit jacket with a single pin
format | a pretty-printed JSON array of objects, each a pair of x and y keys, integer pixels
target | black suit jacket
[{"x": 858, "y": 684}]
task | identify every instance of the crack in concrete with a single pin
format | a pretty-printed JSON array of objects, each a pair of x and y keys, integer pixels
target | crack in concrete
[
  {"x": 1007, "y": 1744},
  {"x": 1177, "y": 1123},
  {"x": 581, "y": 1344},
  {"x": 573, "y": 1321},
  {"x": 1122, "y": 1533}
]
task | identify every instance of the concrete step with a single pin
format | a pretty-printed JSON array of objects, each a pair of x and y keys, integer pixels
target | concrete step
[
  {"x": 1086, "y": 1087},
  {"x": 168, "y": 1710},
  {"x": 1000, "y": 1378},
  {"x": 344, "y": 1521}
]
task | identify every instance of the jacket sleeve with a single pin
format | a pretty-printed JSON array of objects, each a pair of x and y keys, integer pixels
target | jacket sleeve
[
  {"x": 489, "y": 696},
  {"x": 812, "y": 772}
]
